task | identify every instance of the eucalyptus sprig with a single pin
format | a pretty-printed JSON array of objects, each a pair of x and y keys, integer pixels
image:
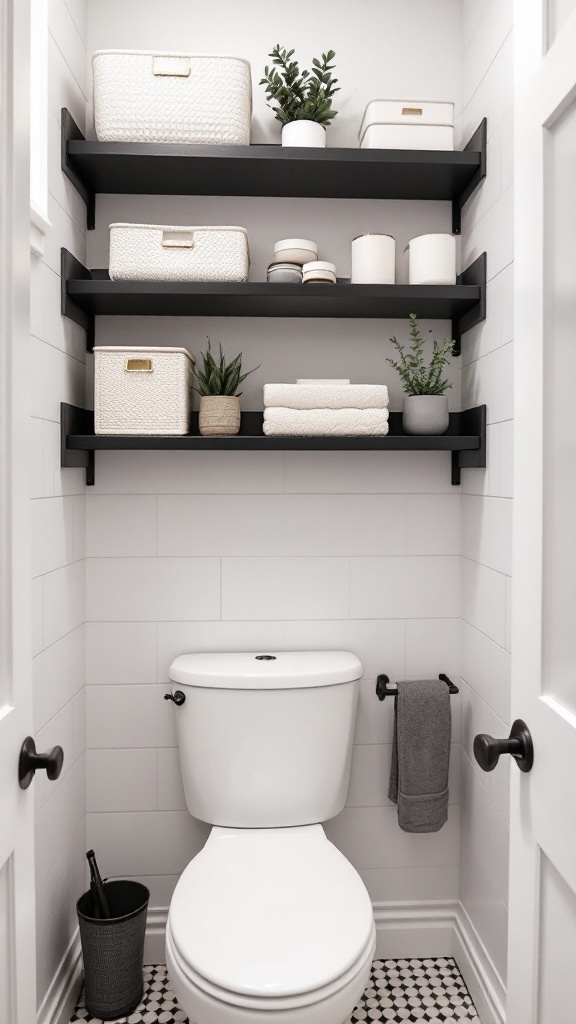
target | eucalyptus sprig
[
  {"x": 220, "y": 377},
  {"x": 300, "y": 95},
  {"x": 418, "y": 377}
]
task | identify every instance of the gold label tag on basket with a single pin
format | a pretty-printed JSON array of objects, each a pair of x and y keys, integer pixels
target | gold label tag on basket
[
  {"x": 171, "y": 67},
  {"x": 140, "y": 365},
  {"x": 412, "y": 110},
  {"x": 177, "y": 240}
]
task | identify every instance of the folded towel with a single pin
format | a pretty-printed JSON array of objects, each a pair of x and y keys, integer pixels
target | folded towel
[
  {"x": 421, "y": 754},
  {"x": 326, "y": 396},
  {"x": 320, "y": 422},
  {"x": 323, "y": 380}
]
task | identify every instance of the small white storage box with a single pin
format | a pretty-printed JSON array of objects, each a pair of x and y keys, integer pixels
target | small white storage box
[
  {"x": 407, "y": 124},
  {"x": 142, "y": 391},
  {"x": 152, "y": 96},
  {"x": 158, "y": 252}
]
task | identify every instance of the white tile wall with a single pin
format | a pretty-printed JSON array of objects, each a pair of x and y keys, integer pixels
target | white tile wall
[
  {"x": 486, "y": 516},
  {"x": 57, "y": 365}
]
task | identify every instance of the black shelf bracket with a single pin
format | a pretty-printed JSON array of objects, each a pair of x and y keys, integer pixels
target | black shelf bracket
[
  {"x": 70, "y": 132},
  {"x": 72, "y": 269},
  {"x": 476, "y": 144},
  {"x": 384, "y": 688},
  {"x": 474, "y": 274},
  {"x": 76, "y": 421},
  {"x": 475, "y": 459}
]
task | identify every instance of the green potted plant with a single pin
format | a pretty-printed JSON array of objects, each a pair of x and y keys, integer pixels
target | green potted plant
[
  {"x": 425, "y": 409},
  {"x": 301, "y": 100},
  {"x": 218, "y": 383}
]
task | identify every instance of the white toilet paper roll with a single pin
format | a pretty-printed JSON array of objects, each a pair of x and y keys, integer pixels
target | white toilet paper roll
[{"x": 374, "y": 259}]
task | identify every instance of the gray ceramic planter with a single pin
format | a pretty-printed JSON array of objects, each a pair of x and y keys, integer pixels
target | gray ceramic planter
[{"x": 425, "y": 414}]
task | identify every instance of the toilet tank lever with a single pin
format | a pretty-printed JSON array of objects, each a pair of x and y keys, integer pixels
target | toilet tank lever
[{"x": 178, "y": 697}]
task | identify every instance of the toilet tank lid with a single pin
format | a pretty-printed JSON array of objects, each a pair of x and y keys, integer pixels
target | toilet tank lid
[{"x": 268, "y": 670}]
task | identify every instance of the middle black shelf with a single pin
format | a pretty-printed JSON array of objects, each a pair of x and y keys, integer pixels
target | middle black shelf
[{"x": 90, "y": 293}]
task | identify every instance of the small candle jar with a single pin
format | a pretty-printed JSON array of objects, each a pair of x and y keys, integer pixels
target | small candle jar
[{"x": 373, "y": 259}]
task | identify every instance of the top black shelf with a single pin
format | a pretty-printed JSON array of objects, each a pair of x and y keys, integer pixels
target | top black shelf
[{"x": 169, "y": 169}]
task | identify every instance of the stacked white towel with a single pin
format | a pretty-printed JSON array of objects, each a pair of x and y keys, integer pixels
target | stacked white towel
[{"x": 325, "y": 408}]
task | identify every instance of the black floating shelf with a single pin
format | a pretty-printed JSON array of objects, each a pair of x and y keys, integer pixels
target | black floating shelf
[
  {"x": 90, "y": 293},
  {"x": 465, "y": 439},
  {"x": 169, "y": 169}
]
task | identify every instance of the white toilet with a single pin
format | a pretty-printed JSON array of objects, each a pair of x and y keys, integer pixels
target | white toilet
[{"x": 269, "y": 923}]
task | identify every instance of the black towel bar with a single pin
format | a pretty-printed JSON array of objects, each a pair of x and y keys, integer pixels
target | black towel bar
[{"x": 385, "y": 689}]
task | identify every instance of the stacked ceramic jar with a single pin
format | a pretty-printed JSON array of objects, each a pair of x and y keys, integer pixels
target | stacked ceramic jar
[{"x": 296, "y": 261}]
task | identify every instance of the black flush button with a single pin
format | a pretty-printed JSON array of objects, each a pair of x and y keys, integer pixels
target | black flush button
[{"x": 265, "y": 657}]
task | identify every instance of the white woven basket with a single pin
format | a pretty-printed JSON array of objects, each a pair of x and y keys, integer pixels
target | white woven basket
[
  {"x": 152, "y": 96},
  {"x": 157, "y": 252},
  {"x": 142, "y": 391}
]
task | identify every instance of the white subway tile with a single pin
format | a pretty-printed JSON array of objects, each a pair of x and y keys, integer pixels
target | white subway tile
[
  {"x": 367, "y": 472},
  {"x": 485, "y": 829},
  {"x": 380, "y": 645},
  {"x": 55, "y": 377},
  {"x": 120, "y": 652},
  {"x": 58, "y": 674},
  {"x": 37, "y": 598},
  {"x": 410, "y": 884},
  {"x": 285, "y": 588},
  {"x": 64, "y": 597},
  {"x": 63, "y": 89},
  {"x": 79, "y": 709},
  {"x": 65, "y": 33},
  {"x": 489, "y": 381},
  {"x": 170, "y": 786},
  {"x": 484, "y": 598},
  {"x": 129, "y": 716},
  {"x": 146, "y": 842},
  {"x": 486, "y": 667},
  {"x": 487, "y": 531},
  {"x": 433, "y": 646},
  {"x": 121, "y": 526},
  {"x": 281, "y": 525},
  {"x": 415, "y": 587},
  {"x": 138, "y": 589},
  {"x": 432, "y": 524},
  {"x": 121, "y": 780},
  {"x": 55, "y": 899},
  {"x": 58, "y": 818},
  {"x": 46, "y": 321},
  {"x": 489, "y": 36},
  {"x": 370, "y": 837},
  {"x": 59, "y": 731},
  {"x": 190, "y": 472},
  {"x": 52, "y": 526}
]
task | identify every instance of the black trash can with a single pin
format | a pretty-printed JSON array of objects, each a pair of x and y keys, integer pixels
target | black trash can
[{"x": 113, "y": 949}]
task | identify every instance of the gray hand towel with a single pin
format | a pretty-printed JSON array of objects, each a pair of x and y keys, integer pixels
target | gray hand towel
[{"x": 421, "y": 754}]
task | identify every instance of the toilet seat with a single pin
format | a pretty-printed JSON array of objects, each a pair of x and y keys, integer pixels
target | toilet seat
[{"x": 270, "y": 918}]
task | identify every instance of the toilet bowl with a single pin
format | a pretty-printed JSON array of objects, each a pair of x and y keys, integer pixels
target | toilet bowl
[
  {"x": 269, "y": 923},
  {"x": 272, "y": 925}
]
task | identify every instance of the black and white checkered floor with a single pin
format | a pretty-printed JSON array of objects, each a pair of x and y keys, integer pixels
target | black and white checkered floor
[{"x": 428, "y": 991}]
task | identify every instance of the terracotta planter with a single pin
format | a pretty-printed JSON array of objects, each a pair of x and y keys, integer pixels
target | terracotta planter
[
  {"x": 219, "y": 414},
  {"x": 425, "y": 414},
  {"x": 309, "y": 134}
]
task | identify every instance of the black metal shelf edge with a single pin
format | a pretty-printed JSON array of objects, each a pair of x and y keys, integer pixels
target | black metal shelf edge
[
  {"x": 86, "y": 294},
  {"x": 465, "y": 439},
  {"x": 172, "y": 169}
]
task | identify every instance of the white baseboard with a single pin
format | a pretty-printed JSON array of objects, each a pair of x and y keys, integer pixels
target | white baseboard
[
  {"x": 62, "y": 995},
  {"x": 425, "y": 929},
  {"x": 484, "y": 983}
]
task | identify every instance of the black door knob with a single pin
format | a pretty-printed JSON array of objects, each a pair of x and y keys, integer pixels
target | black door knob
[
  {"x": 519, "y": 745},
  {"x": 30, "y": 761},
  {"x": 178, "y": 697}
]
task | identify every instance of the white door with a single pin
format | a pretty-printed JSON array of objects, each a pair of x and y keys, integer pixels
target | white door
[
  {"x": 542, "y": 935},
  {"x": 17, "y": 938}
]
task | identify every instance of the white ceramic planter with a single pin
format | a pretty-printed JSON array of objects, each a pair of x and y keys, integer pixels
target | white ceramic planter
[
  {"x": 432, "y": 259},
  {"x": 425, "y": 414},
  {"x": 307, "y": 134},
  {"x": 219, "y": 415}
]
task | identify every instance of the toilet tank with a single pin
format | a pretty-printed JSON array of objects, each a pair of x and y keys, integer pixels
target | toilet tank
[{"x": 266, "y": 739}]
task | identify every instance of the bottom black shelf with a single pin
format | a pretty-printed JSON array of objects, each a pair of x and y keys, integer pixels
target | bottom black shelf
[{"x": 465, "y": 439}]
